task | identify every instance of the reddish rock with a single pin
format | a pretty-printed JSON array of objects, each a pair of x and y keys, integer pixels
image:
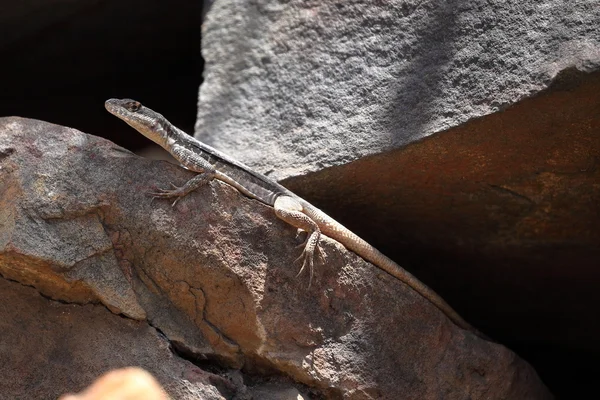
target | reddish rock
[{"x": 216, "y": 275}]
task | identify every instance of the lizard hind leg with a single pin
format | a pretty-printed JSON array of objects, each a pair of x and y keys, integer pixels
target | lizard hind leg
[{"x": 289, "y": 210}]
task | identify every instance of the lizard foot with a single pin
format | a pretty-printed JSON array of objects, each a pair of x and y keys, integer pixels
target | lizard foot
[
  {"x": 320, "y": 253},
  {"x": 308, "y": 254},
  {"x": 305, "y": 241},
  {"x": 178, "y": 192},
  {"x": 290, "y": 210},
  {"x": 307, "y": 261}
]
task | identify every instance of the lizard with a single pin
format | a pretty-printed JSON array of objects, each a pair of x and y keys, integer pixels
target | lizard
[{"x": 210, "y": 164}]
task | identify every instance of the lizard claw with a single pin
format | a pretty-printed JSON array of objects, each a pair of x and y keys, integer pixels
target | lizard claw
[
  {"x": 307, "y": 259},
  {"x": 168, "y": 193},
  {"x": 310, "y": 244},
  {"x": 321, "y": 254}
]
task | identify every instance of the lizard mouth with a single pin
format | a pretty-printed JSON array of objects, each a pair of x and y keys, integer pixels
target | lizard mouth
[{"x": 111, "y": 106}]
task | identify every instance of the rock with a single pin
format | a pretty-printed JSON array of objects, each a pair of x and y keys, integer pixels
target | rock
[
  {"x": 459, "y": 138},
  {"x": 216, "y": 276},
  {"x": 275, "y": 392},
  {"x": 294, "y": 87},
  {"x": 50, "y": 348},
  {"x": 501, "y": 217}
]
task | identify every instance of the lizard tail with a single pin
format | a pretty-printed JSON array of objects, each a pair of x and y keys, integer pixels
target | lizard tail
[{"x": 353, "y": 242}]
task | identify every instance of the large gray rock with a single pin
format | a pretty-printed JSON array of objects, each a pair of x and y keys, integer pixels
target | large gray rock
[
  {"x": 216, "y": 276},
  {"x": 293, "y": 87},
  {"x": 499, "y": 214}
]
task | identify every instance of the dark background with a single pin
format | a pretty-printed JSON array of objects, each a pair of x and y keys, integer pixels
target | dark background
[{"x": 60, "y": 60}]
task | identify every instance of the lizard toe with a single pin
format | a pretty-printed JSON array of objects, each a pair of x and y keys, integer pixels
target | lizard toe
[{"x": 306, "y": 258}]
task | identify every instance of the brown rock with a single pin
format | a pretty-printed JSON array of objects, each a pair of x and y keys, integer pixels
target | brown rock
[
  {"x": 216, "y": 274},
  {"x": 49, "y": 348}
]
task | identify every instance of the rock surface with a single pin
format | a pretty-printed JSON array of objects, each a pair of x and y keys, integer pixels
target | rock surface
[
  {"x": 293, "y": 87},
  {"x": 493, "y": 202},
  {"x": 49, "y": 348},
  {"x": 500, "y": 215},
  {"x": 216, "y": 276}
]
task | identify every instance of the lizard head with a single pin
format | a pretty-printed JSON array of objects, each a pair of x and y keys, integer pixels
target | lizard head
[{"x": 146, "y": 121}]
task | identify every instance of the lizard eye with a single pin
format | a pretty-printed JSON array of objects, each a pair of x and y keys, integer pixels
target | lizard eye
[{"x": 133, "y": 106}]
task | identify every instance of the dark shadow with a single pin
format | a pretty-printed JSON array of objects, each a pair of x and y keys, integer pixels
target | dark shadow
[
  {"x": 60, "y": 62},
  {"x": 417, "y": 88},
  {"x": 500, "y": 216}
]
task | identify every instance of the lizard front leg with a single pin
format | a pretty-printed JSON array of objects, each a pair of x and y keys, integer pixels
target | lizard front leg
[
  {"x": 291, "y": 211},
  {"x": 193, "y": 162}
]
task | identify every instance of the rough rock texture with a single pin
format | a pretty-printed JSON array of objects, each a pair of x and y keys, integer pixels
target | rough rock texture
[
  {"x": 216, "y": 276},
  {"x": 292, "y": 87},
  {"x": 523, "y": 203},
  {"x": 58, "y": 196},
  {"x": 500, "y": 213},
  {"x": 500, "y": 216},
  {"x": 49, "y": 348}
]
